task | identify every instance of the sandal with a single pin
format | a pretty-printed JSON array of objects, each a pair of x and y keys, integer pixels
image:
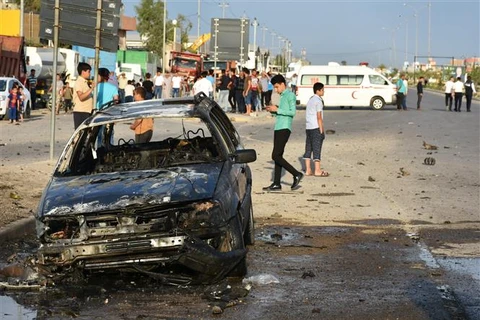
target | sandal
[{"x": 323, "y": 174}]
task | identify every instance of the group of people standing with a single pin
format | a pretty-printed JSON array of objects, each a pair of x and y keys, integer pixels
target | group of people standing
[
  {"x": 244, "y": 93},
  {"x": 16, "y": 104},
  {"x": 454, "y": 91}
]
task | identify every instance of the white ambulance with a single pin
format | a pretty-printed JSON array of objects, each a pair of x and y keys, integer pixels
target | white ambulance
[{"x": 346, "y": 86}]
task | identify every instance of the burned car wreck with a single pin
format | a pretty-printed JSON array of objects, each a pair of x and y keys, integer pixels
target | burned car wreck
[{"x": 177, "y": 208}]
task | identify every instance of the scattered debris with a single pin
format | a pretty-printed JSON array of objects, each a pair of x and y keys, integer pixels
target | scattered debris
[
  {"x": 371, "y": 179},
  {"x": 316, "y": 310},
  {"x": 330, "y": 131},
  {"x": 308, "y": 274},
  {"x": 360, "y": 163},
  {"x": 14, "y": 195},
  {"x": 415, "y": 237},
  {"x": 276, "y": 236},
  {"x": 429, "y": 146},
  {"x": 217, "y": 310},
  {"x": 404, "y": 172},
  {"x": 261, "y": 279},
  {"x": 446, "y": 147},
  {"x": 429, "y": 161}
]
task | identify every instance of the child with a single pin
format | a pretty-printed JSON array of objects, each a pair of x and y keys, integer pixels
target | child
[
  {"x": 12, "y": 103},
  {"x": 67, "y": 96},
  {"x": 129, "y": 91},
  {"x": 21, "y": 103},
  {"x": 143, "y": 127},
  {"x": 315, "y": 132}
]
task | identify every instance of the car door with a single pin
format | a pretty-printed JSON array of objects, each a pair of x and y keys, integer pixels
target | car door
[{"x": 238, "y": 171}]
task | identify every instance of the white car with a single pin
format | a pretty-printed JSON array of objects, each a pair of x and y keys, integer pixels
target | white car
[{"x": 6, "y": 84}]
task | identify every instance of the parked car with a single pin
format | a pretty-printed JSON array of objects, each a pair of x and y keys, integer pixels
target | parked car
[
  {"x": 178, "y": 208},
  {"x": 6, "y": 84}
]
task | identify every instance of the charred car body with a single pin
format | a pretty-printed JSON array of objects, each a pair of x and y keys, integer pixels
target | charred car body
[{"x": 180, "y": 202}]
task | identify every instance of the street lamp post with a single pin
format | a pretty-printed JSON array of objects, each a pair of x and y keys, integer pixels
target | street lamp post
[
  {"x": 174, "y": 23},
  {"x": 255, "y": 25},
  {"x": 394, "y": 49},
  {"x": 416, "y": 28},
  {"x": 164, "y": 33}
]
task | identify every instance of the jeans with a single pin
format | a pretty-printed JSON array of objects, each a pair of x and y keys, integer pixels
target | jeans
[
  {"x": 79, "y": 117},
  {"x": 223, "y": 100},
  {"x": 448, "y": 100},
  {"x": 419, "y": 99},
  {"x": 128, "y": 98},
  {"x": 240, "y": 101},
  {"x": 280, "y": 139},
  {"x": 121, "y": 95},
  {"x": 12, "y": 114},
  {"x": 400, "y": 97},
  {"x": 404, "y": 102},
  {"x": 469, "y": 101},
  {"x": 33, "y": 97},
  {"x": 231, "y": 100},
  {"x": 458, "y": 100},
  {"x": 175, "y": 92},
  {"x": 158, "y": 92}
]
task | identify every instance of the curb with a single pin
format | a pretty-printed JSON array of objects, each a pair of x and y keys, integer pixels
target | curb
[{"x": 17, "y": 229}]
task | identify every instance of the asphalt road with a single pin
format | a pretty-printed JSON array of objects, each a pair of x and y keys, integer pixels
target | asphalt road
[{"x": 372, "y": 241}]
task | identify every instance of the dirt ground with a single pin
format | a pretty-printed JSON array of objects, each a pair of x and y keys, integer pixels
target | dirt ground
[{"x": 22, "y": 186}]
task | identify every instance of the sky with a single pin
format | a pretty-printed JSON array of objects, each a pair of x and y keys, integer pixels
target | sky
[{"x": 352, "y": 31}]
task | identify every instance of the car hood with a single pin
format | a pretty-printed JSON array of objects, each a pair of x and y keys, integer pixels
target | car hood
[{"x": 107, "y": 191}]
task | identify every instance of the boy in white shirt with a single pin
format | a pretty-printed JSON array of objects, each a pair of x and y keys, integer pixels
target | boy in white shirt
[{"x": 449, "y": 94}]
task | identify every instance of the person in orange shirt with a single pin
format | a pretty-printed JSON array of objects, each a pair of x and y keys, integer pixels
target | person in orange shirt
[{"x": 143, "y": 127}]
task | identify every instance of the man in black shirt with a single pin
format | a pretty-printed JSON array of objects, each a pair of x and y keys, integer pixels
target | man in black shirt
[
  {"x": 419, "y": 91},
  {"x": 223, "y": 91},
  {"x": 231, "y": 93},
  {"x": 148, "y": 85}
]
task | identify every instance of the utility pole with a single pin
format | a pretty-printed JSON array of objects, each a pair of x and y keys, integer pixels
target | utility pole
[
  {"x": 255, "y": 25},
  {"x": 198, "y": 21},
  {"x": 263, "y": 36},
  {"x": 22, "y": 9},
  {"x": 56, "y": 24},
  {"x": 215, "y": 52},
  {"x": 164, "y": 34},
  {"x": 273, "y": 39},
  {"x": 223, "y": 5},
  {"x": 429, "y": 29},
  {"x": 242, "y": 34}
]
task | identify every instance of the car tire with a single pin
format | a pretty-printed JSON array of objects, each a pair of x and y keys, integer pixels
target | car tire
[
  {"x": 1, "y": 117},
  {"x": 377, "y": 103},
  {"x": 249, "y": 236},
  {"x": 237, "y": 242}
]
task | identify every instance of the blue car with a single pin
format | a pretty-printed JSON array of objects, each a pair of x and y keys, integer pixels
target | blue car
[{"x": 176, "y": 207}]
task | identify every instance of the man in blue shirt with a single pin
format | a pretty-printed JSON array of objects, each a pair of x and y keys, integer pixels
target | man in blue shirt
[{"x": 401, "y": 92}]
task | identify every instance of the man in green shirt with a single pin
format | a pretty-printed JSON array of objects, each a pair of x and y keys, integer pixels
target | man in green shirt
[{"x": 284, "y": 113}]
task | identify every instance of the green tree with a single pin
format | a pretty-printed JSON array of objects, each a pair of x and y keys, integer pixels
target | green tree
[
  {"x": 150, "y": 24},
  {"x": 184, "y": 25},
  {"x": 343, "y": 63},
  {"x": 382, "y": 67},
  {"x": 30, "y": 5}
]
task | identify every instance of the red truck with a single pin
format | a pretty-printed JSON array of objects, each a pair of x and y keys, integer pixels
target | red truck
[
  {"x": 12, "y": 57},
  {"x": 186, "y": 63}
]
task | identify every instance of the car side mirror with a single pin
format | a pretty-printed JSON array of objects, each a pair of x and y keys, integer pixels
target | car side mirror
[{"x": 244, "y": 156}]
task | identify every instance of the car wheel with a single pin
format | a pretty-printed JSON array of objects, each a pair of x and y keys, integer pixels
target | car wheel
[
  {"x": 28, "y": 110},
  {"x": 235, "y": 236},
  {"x": 1, "y": 117},
  {"x": 377, "y": 103},
  {"x": 249, "y": 237}
]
